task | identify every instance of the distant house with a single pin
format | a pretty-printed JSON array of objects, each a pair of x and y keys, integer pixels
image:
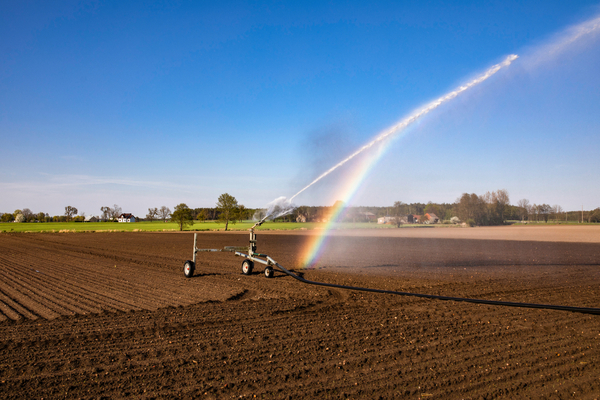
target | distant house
[
  {"x": 386, "y": 220},
  {"x": 416, "y": 219},
  {"x": 433, "y": 219},
  {"x": 369, "y": 216},
  {"x": 301, "y": 218},
  {"x": 126, "y": 218}
]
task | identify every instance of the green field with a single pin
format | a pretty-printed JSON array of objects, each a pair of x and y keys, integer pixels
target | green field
[{"x": 158, "y": 226}]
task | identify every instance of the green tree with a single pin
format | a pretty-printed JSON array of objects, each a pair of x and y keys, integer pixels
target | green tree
[
  {"x": 7, "y": 217},
  {"x": 201, "y": 216},
  {"x": 431, "y": 208},
  {"x": 594, "y": 215},
  {"x": 242, "y": 212},
  {"x": 471, "y": 207},
  {"x": 228, "y": 207},
  {"x": 399, "y": 212},
  {"x": 182, "y": 215}
]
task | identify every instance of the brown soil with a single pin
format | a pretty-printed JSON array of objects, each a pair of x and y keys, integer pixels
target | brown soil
[{"x": 110, "y": 315}]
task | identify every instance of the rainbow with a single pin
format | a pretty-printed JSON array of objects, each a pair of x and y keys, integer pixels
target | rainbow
[
  {"x": 371, "y": 153},
  {"x": 313, "y": 248}
]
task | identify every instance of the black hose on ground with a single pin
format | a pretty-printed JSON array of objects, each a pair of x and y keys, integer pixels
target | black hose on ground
[{"x": 584, "y": 310}]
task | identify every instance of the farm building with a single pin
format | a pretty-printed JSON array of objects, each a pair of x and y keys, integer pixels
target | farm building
[
  {"x": 126, "y": 218},
  {"x": 369, "y": 216},
  {"x": 403, "y": 219},
  {"x": 386, "y": 220},
  {"x": 433, "y": 219}
]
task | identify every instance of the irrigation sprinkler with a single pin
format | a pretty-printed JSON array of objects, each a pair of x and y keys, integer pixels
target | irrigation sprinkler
[
  {"x": 253, "y": 256},
  {"x": 249, "y": 259}
]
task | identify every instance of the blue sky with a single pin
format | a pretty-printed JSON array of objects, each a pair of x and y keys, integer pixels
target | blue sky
[{"x": 144, "y": 105}]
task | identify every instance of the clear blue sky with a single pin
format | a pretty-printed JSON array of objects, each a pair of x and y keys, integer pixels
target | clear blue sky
[{"x": 144, "y": 105}]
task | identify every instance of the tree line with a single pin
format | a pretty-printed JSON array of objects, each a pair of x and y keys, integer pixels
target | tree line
[{"x": 491, "y": 208}]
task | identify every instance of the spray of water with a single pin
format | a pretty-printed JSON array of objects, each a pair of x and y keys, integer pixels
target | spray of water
[
  {"x": 563, "y": 41},
  {"x": 279, "y": 207},
  {"x": 394, "y": 130}
]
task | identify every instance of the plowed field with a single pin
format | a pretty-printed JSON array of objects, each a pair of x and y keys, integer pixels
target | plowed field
[{"x": 110, "y": 315}]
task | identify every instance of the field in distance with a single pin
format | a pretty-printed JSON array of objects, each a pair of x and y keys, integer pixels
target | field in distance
[{"x": 160, "y": 226}]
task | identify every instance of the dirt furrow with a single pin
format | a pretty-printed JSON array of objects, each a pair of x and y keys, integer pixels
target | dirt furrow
[
  {"x": 28, "y": 299},
  {"x": 13, "y": 303},
  {"x": 61, "y": 304},
  {"x": 63, "y": 286},
  {"x": 91, "y": 279}
]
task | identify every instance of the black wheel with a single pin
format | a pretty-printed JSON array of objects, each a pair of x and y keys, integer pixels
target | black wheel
[
  {"x": 247, "y": 267},
  {"x": 188, "y": 269},
  {"x": 269, "y": 272}
]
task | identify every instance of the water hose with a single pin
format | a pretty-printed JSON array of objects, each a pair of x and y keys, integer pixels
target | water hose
[{"x": 583, "y": 310}]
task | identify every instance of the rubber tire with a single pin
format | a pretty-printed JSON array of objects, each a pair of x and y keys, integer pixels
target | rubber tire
[
  {"x": 269, "y": 272},
  {"x": 247, "y": 267},
  {"x": 188, "y": 269}
]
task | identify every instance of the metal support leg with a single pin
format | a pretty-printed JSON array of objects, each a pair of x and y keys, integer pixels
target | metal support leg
[{"x": 195, "y": 239}]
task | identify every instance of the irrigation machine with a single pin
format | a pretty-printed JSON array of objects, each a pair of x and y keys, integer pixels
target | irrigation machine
[{"x": 249, "y": 259}]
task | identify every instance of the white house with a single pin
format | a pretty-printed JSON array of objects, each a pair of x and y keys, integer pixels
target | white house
[
  {"x": 386, "y": 220},
  {"x": 126, "y": 218}
]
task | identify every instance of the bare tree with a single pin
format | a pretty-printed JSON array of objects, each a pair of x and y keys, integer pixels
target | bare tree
[
  {"x": 70, "y": 212},
  {"x": 558, "y": 210},
  {"x": 532, "y": 212},
  {"x": 152, "y": 213},
  {"x": 164, "y": 213},
  {"x": 502, "y": 202},
  {"x": 27, "y": 214},
  {"x": 523, "y": 205},
  {"x": 115, "y": 212},
  {"x": 105, "y": 213}
]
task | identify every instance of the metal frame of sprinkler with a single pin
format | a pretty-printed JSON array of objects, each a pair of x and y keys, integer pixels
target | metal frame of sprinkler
[
  {"x": 253, "y": 256},
  {"x": 249, "y": 259}
]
